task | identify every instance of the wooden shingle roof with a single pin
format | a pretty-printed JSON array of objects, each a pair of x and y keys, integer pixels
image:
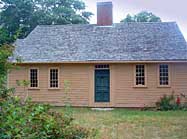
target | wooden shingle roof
[{"x": 120, "y": 42}]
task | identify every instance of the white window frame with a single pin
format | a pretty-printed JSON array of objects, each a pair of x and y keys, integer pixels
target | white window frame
[
  {"x": 49, "y": 85},
  {"x": 169, "y": 75},
  {"x": 29, "y": 73},
  {"x": 145, "y": 76}
]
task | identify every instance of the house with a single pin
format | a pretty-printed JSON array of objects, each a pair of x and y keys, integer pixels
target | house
[{"x": 106, "y": 64}]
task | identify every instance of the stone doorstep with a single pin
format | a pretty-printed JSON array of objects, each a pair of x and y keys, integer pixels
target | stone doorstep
[{"x": 102, "y": 109}]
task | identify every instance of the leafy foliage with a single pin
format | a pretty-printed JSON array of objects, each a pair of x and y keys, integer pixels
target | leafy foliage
[
  {"x": 20, "y": 17},
  {"x": 4, "y": 36},
  {"x": 170, "y": 102},
  {"x": 143, "y": 16},
  {"x": 5, "y": 52},
  {"x": 36, "y": 121},
  {"x": 24, "y": 84},
  {"x": 166, "y": 102},
  {"x": 66, "y": 99},
  {"x": 29, "y": 120}
]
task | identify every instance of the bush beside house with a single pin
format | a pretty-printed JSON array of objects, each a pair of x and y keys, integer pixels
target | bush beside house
[
  {"x": 171, "y": 102},
  {"x": 30, "y": 120},
  {"x": 25, "y": 119}
]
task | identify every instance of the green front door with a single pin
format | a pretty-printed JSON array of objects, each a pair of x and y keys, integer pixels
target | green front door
[{"x": 102, "y": 85}]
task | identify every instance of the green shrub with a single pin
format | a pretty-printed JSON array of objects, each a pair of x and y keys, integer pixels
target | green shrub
[
  {"x": 26, "y": 120},
  {"x": 166, "y": 102},
  {"x": 5, "y": 52},
  {"x": 169, "y": 102},
  {"x": 36, "y": 121}
]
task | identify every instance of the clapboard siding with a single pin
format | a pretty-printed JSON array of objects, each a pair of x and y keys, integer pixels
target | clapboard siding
[
  {"x": 129, "y": 96},
  {"x": 180, "y": 81},
  {"x": 78, "y": 78},
  {"x": 81, "y": 78}
]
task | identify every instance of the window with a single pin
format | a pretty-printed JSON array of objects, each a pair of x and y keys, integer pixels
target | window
[
  {"x": 54, "y": 83},
  {"x": 102, "y": 66},
  {"x": 140, "y": 75},
  {"x": 34, "y": 78},
  {"x": 164, "y": 74}
]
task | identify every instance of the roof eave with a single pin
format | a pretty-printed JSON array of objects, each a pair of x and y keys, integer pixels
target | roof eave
[{"x": 108, "y": 62}]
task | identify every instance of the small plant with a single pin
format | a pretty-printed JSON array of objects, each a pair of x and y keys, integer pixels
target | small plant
[
  {"x": 184, "y": 105},
  {"x": 66, "y": 92},
  {"x": 25, "y": 85},
  {"x": 166, "y": 102},
  {"x": 67, "y": 101},
  {"x": 170, "y": 102}
]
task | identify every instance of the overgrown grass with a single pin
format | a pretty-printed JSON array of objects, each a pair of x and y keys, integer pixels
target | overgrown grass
[{"x": 133, "y": 124}]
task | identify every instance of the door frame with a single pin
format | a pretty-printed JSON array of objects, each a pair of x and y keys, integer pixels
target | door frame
[
  {"x": 91, "y": 94},
  {"x": 108, "y": 70}
]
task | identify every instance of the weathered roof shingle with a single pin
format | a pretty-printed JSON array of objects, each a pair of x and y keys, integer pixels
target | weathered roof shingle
[{"x": 120, "y": 42}]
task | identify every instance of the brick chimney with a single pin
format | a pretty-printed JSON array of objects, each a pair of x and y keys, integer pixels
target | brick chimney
[{"x": 104, "y": 14}]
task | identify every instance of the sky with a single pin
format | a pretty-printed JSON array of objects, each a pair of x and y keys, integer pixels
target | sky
[{"x": 167, "y": 10}]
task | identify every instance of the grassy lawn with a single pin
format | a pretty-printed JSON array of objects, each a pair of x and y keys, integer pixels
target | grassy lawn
[{"x": 133, "y": 124}]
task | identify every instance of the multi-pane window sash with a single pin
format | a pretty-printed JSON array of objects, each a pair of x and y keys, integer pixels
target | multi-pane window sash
[
  {"x": 164, "y": 74},
  {"x": 33, "y": 78},
  {"x": 54, "y": 78},
  {"x": 140, "y": 75},
  {"x": 102, "y": 66}
]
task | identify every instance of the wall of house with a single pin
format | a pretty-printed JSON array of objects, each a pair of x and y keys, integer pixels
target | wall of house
[
  {"x": 77, "y": 76},
  {"x": 123, "y": 93},
  {"x": 128, "y": 95}
]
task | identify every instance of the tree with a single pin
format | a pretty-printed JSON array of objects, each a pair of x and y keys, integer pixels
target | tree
[
  {"x": 14, "y": 17},
  {"x": 5, "y": 52},
  {"x": 143, "y": 16},
  {"x": 19, "y": 17}
]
